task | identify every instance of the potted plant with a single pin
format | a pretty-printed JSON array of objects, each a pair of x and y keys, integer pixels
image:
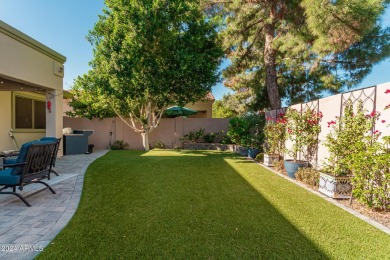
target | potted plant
[
  {"x": 247, "y": 132},
  {"x": 346, "y": 138},
  {"x": 256, "y": 134},
  {"x": 275, "y": 138},
  {"x": 303, "y": 128}
]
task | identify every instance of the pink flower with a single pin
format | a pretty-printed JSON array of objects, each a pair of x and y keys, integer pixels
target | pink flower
[
  {"x": 376, "y": 132},
  {"x": 331, "y": 123},
  {"x": 387, "y": 91},
  {"x": 383, "y": 121}
]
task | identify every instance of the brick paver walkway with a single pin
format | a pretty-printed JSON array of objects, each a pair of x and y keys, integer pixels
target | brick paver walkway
[{"x": 25, "y": 231}]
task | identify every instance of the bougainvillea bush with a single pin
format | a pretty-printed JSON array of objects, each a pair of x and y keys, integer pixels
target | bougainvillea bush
[
  {"x": 303, "y": 128},
  {"x": 371, "y": 167},
  {"x": 347, "y": 137},
  {"x": 275, "y": 134}
]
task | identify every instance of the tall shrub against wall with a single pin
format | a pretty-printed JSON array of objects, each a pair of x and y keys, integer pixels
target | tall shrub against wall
[
  {"x": 371, "y": 168},
  {"x": 347, "y": 137},
  {"x": 247, "y": 130}
]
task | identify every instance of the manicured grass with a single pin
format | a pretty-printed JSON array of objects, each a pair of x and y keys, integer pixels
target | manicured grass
[{"x": 205, "y": 205}]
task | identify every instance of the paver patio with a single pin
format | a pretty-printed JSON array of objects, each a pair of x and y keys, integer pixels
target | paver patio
[{"x": 24, "y": 231}]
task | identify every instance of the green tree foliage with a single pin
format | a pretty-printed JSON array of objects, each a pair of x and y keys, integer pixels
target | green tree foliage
[
  {"x": 228, "y": 106},
  {"x": 294, "y": 50},
  {"x": 148, "y": 55}
]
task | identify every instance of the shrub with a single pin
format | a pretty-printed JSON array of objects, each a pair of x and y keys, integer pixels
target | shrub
[
  {"x": 247, "y": 130},
  {"x": 348, "y": 136},
  {"x": 309, "y": 176},
  {"x": 119, "y": 145},
  {"x": 303, "y": 128},
  {"x": 210, "y": 137},
  {"x": 159, "y": 145},
  {"x": 193, "y": 136},
  {"x": 226, "y": 140},
  {"x": 371, "y": 180},
  {"x": 275, "y": 134},
  {"x": 279, "y": 166},
  {"x": 259, "y": 157}
]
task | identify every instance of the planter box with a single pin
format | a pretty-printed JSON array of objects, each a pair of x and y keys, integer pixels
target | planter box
[
  {"x": 337, "y": 187},
  {"x": 242, "y": 150},
  {"x": 270, "y": 159}
]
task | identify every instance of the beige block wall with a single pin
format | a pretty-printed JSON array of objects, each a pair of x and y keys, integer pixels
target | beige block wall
[{"x": 169, "y": 131}]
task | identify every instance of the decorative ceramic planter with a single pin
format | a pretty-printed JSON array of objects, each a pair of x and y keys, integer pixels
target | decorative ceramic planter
[
  {"x": 252, "y": 153},
  {"x": 270, "y": 159},
  {"x": 337, "y": 187},
  {"x": 292, "y": 167},
  {"x": 242, "y": 150}
]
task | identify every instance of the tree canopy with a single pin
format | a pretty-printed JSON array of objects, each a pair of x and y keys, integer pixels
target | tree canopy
[
  {"x": 148, "y": 55},
  {"x": 228, "y": 106},
  {"x": 295, "y": 50}
]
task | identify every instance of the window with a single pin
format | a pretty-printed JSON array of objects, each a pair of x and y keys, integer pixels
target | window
[{"x": 29, "y": 113}]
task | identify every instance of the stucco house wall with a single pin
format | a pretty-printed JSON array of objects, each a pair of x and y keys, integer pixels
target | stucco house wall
[{"x": 31, "y": 67}]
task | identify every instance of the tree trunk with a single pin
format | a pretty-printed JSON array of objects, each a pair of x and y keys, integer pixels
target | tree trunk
[
  {"x": 145, "y": 141},
  {"x": 270, "y": 67}
]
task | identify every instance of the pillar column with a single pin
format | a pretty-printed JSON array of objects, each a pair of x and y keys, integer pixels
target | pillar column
[{"x": 54, "y": 115}]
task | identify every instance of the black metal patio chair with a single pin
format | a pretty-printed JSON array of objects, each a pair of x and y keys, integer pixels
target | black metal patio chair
[{"x": 36, "y": 167}]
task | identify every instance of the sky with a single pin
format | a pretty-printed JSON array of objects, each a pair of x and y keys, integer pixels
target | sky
[{"x": 63, "y": 25}]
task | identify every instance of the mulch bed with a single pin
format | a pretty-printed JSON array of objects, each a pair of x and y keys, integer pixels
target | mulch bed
[{"x": 380, "y": 217}]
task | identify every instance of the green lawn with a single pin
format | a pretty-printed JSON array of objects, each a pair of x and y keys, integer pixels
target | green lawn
[{"x": 205, "y": 205}]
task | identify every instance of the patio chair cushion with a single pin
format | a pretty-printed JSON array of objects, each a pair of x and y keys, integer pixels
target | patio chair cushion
[
  {"x": 8, "y": 178},
  {"x": 21, "y": 158},
  {"x": 49, "y": 139},
  {"x": 10, "y": 161}
]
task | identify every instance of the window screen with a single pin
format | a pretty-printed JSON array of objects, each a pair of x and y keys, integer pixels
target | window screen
[
  {"x": 29, "y": 113},
  {"x": 39, "y": 115},
  {"x": 23, "y": 115}
]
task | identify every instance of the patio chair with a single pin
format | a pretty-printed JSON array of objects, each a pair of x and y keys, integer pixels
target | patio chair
[
  {"x": 21, "y": 157},
  {"x": 34, "y": 169},
  {"x": 54, "y": 157}
]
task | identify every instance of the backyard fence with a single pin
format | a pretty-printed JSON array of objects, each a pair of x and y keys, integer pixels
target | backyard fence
[
  {"x": 373, "y": 98},
  {"x": 169, "y": 131}
]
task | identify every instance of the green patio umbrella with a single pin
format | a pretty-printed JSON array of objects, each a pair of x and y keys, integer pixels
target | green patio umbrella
[{"x": 176, "y": 111}]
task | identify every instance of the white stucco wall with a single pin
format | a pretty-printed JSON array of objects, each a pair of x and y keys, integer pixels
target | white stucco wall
[{"x": 330, "y": 107}]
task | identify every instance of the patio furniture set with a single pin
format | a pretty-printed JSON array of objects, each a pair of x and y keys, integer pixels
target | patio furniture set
[{"x": 33, "y": 164}]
